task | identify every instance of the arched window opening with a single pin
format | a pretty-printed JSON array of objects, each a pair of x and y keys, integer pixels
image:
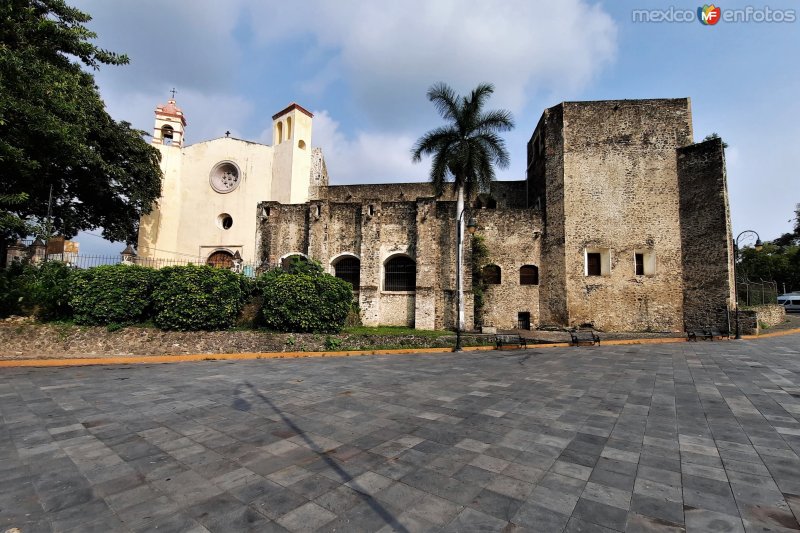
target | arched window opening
[
  {"x": 349, "y": 269},
  {"x": 529, "y": 275},
  {"x": 290, "y": 262},
  {"x": 491, "y": 274},
  {"x": 288, "y": 128},
  {"x": 400, "y": 274},
  {"x": 220, "y": 259},
  {"x": 279, "y": 136},
  {"x": 167, "y": 134}
]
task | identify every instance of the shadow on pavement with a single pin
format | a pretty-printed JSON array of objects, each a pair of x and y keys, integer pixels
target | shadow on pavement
[{"x": 243, "y": 405}]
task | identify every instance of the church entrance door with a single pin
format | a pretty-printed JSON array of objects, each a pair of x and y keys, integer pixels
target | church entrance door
[{"x": 220, "y": 259}]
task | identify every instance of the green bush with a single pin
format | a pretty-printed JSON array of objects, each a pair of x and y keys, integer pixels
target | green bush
[
  {"x": 41, "y": 290},
  {"x": 12, "y": 288},
  {"x": 305, "y": 302},
  {"x": 48, "y": 290},
  {"x": 111, "y": 294},
  {"x": 190, "y": 298}
]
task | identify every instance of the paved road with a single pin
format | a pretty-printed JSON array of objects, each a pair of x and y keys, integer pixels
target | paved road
[{"x": 696, "y": 436}]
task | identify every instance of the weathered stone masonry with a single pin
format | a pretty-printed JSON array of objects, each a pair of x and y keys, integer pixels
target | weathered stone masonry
[{"x": 619, "y": 180}]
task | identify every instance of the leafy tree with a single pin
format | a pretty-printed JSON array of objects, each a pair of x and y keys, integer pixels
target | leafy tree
[
  {"x": 55, "y": 131},
  {"x": 465, "y": 150},
  {"x": 777, "y": 261}
]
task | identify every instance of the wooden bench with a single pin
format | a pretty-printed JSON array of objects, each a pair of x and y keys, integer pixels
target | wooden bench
[
  {"x": 510, "y": 340},
  {"x": 584, "y": 337}
]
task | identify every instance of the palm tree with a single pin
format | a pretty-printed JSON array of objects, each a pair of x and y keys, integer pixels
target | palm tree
[{"x": 464, "y": 150}]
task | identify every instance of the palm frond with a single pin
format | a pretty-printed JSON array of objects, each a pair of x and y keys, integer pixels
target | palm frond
[{"x": 468, "y": 148}]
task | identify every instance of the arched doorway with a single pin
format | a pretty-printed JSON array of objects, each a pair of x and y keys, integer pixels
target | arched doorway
[{"x": 220, "y": 259}]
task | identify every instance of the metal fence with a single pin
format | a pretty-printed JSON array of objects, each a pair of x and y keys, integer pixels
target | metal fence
[
  {"x": 88, "y": 261},
  {"x": 756, "y": 292}
]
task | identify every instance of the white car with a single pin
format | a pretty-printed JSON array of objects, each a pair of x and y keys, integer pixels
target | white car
[{"x": 790, "y": 301}]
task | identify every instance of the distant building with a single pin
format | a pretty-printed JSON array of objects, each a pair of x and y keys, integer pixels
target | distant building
[{"x": 622, "y": 222}]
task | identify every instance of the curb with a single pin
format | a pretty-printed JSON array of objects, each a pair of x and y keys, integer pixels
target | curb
[{"x": 158, "y": 359}]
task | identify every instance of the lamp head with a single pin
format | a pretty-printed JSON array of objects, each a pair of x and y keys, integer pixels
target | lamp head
[
  {"x": 472, "y": 225},
  {"x": 758, "y": 246}
]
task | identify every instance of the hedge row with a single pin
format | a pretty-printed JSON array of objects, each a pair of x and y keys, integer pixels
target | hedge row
[{"x": 183, "y": 298}]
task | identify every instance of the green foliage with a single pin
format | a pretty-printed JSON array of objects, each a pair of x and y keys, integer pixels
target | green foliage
[
  {"x": 480, "y": 254},
  {"x": 468, "y": 146},
  {"x": 780, "y": 264},
  {"x": 39, "y": 290},
  {"x": 777, "y": 261},
  {"x": 297, "y": 264},
  {"x": 395, "y": 331},
  {"x": 305, "y": 302},
  {"x": 111, "y": 294},
  {"x": 55, "y": 131},
  {"x": 10, "y": 223},
  {"x": 715, "y": 135},
  {"x": 332, "y": 343},
  {"x": 190, "y": 298},
  {"x": 12, "y": 288},
  {"x": 48, "y": 290}
]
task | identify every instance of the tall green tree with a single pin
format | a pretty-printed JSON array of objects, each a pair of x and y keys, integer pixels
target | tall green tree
[
  {"x": 465, "y": 150},
  {"x": 56, "y": 134},
  {"x": 777, "y": 261}
]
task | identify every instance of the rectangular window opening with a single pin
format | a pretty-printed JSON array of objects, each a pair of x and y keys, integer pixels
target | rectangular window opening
[
  {"x": 598, "y": 262},
  {"x": 644, "y": 262}
]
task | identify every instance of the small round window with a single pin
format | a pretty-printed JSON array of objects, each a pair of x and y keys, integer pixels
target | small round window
[
  {"x": 225, "y": 177},
  {"x": 225, "y": 221}
]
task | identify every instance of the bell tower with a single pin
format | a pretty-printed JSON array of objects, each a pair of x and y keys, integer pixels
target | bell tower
[
  {"x": 170, "y": 124},
  {"x": 158, "y": 230},
  {"x": 291, "y": 142}
]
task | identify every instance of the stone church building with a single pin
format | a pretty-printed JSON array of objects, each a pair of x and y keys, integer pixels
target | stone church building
[{"x": 622, "y": 222}]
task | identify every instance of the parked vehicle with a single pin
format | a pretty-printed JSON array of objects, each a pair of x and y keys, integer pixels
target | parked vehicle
[{"x": 790, "y": 301}]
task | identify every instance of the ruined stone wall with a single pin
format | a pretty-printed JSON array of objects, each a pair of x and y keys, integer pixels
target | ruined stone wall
[
  {"x": 707, "y": 248},
  {"x": 282, "y": 230},
  {"x": 546, "y": 193},
  {"x": 319, "y": 175},
  {"x": 511, "y": 241},
  {"x": 505, "y": 193},
  {"x": 620, "y": 197},
  {"x": 770, "y": 314}
]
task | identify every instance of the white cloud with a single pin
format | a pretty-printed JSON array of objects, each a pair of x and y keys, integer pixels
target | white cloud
[
  {"x": 366, "y": 157},
  {"x": 388, "y": 51}
]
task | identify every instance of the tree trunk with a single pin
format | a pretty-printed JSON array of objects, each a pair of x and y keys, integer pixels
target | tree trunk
[{"x": 460, "y": 257}]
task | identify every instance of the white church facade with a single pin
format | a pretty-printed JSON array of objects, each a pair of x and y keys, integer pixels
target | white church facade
[{"x": 210, "y": 190}]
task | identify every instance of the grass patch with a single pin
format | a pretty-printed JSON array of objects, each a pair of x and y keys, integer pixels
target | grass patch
[{"x": 395, "y": 330}]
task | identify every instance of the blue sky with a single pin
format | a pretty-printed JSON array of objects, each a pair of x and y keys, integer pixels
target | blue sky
[{"x": 363, "y": 69}]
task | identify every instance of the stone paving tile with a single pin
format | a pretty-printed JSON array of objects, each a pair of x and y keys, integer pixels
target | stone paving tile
[{"x": 695, "y": 437}]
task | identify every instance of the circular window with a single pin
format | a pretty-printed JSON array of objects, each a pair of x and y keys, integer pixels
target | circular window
[
  {"x": 224, "y": 177},
  {"x": 301, "y": 144},
  {"x": 225, "y": 221}
]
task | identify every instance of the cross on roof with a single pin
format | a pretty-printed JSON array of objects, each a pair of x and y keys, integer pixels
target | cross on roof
[
  {"x": 173, "y": 91},
  {"x": 227, "y": 134}
]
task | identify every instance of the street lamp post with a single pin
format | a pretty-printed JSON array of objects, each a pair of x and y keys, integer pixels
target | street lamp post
[
  {"x": 472, "y": 225},
  {"x": 758, "y": 247}
]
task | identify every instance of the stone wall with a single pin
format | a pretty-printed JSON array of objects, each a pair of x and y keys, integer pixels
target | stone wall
[
  {"x": 770, "y": 314},
  {"x": 511, "y": 238},
  {"x": 706, "y": 245},
  {"x": 612, "y": 177},
  {"x": 546, "y": 193},
  {"x": 621, "y": 198}
]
